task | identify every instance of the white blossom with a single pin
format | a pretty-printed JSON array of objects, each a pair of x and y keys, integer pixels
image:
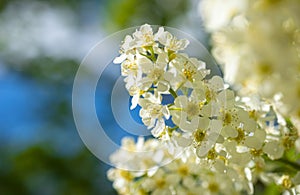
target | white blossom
[{"x": 220, "y": 142}]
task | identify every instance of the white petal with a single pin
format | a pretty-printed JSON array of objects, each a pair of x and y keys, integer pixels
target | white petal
[
  {"x": 119, "y": 59},
  {"x": 260, "y": 135},
  {"x": 163, "y": 87},
  {"x": 203, "y": 123},
  {"x": 182, "y": 141},
  {"x": 250, "y": 125},
  {"x": 165, "y": 38},
  {"x": 166, "y": 112},
  {"x": 183, "y": 43},
  {"x": 216, "y": 126},
  {"x": 158, "y": 156},
  {"x": 216, "y": 83},
  {"x": 181, "y": 101},
  {"x": 173, "y": 179},
  {"x": 145, "y": 64},
  {"x": 206, "y": 110},
  {"x": 145, "y": 83},
  {"x": 162, "y": 60},
  {"x": 159, "y": 33},
  {"x": 229, "y": 131},
  {"x": 134, "y": 101},
  {"x": 230, "y": 146},
  {"x": 240, "y": 158},
  {"x": 273, "y": 149},
  {"x": 159, "y": 128},
  {"x": 186, "y": 125},
  {"x": 189, "y": 182},
  {"x": 253, "y": 142},
  {"x": 203, "y": 149},
  {"x": 220, "y": 166},
  {"x": 146, "y": 28},
  {"x": 226, "y": 98}
]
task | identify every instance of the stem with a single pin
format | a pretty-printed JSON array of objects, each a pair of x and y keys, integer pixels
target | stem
[
  {"x": 152, "y": 54},
  {"x": 175, "y": 108},
  {"x": 283, "y": 163},
  {"x": 173, "y": 128},
  {"x": 291, "y": 127},
  {"x": 150, "y": 89},
  {"x": 170, "y": 130},
  {"x": 292, "y": 164},
  {"x": 180, "y": 85},
  {"x": 173, "y": 93},
  {"x": 169, "y": 105}
]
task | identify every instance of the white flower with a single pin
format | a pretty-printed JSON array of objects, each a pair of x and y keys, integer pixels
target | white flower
[
  {"x": 217, "y": 184},
  {"x": 170, "y": 42},
  {"x": 144, "y": 36},
  {"x": 256, "y": 43},
  {"x": 126, "y": 48},
  {"x": 129, "y": 66},
  {"x": 152, "y": 113},
  {"x": 186, "y": 112},
  {"x": 139, "y": 157},
  {"x": 190, "y": 69},
  {"x": 128, "y": 44},
  {"x": 217, "y": 14},
  {"x": 219, "y": 142},
  {"x": 256, "y": 141},
  {"x": 132, "y": 86},
  {"x": 154, "y": 72},
  {"x": 204, "y": 141},
  {"x": 160, "y": 183},
  {"x": 273, "y": 149}
]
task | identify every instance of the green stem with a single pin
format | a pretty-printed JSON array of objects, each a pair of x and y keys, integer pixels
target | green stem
[
  {"x": 169, "y": 105},
  {"x": 180, "y": 85},
  {"x": 173, "y": 128},
  {"x": 170, "y": 130},
  {"x": 150, "y": 89},
  {"x": 175, "y": 108},
  {"x": 173, "y": 93},
  {"x": 291, "y": 127},
  {"x": 153, "y": 58},
  {"x": 291, "y": 164}
]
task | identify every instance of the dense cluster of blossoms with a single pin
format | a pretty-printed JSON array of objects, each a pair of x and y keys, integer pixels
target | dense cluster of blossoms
[
  {"x": 257, "y": 42},
  {"x": 205, "y": 138}
]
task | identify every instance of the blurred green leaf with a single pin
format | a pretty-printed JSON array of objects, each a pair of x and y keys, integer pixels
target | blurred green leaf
[
  {"x": 272, "y": 189},
  {"x": 128, "y": 13}
]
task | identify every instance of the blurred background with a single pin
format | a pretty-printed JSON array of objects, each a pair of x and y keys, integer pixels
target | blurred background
[{"x": 41, "y": 46}]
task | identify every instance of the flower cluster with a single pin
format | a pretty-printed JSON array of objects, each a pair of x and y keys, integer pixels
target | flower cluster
[
  {"x": 258, "y": 44},
  {"x": 225, "y": 142},
  {"x": 187, "y": 175}
]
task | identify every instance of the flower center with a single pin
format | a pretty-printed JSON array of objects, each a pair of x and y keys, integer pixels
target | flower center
[
  {"x": 192, "y": 109},
  {"x": 241, "y": 135},
  {"x": 155, "y": 110},
  {"x": 160, "y": 183},
  {"x": 188, "y": 72},
  {"x": 183, "y": 170},
  {"x": 126, "y": 175},
  {"x": 156, "y": 74},
  {"x": 211, "y": 154},
  {"x": 255, "y": 152},
  {"x": 148, "y": 37},
  {"x": 213, "y": 187},
  {"x": 227, "y": 118},
  {"x": 198, "y": 136},
  {"x": 287, "y": 183}
]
